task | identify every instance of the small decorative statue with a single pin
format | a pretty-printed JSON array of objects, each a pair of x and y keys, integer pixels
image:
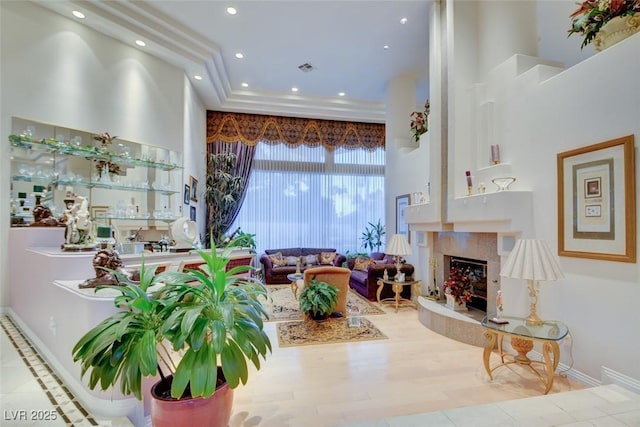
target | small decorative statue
[
  {"x": 163, "y": 243},
  {"x": 108, "y": 259},
  {"x": 78, "y": 234},
  {"x": 43, "y": 217}
]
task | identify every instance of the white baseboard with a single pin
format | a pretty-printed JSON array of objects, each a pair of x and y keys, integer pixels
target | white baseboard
[
  {"x": 571, "y": 373},
  {"x": 111, "y": 408},
  {"x": 609, "y": 376}
]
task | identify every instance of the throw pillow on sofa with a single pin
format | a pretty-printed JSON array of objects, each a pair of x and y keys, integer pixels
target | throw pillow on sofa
[
  {"x": 277, "y": 259},
  {"x": 291, "y": 260},
  {"x": 363, "y": 263},
  {"x": 311, "y": 259},
  {"x": 327, "y": 258}
]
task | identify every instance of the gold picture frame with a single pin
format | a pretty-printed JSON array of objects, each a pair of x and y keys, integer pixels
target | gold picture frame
[
  {"x": 99, "y": 215},
  {"x": 193, "y": 183},
  {"x": 597, "y": 201}
]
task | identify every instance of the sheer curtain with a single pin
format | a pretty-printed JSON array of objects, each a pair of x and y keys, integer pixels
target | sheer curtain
[{"x": 312, "y": 197}]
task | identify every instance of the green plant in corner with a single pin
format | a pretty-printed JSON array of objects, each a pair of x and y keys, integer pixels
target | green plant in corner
[
  {"x": 372, "y": 237},
  {"x": 222, "y": 192},
  {"x": 211, "y": 317},
  {"x": 318, "y": 299}
]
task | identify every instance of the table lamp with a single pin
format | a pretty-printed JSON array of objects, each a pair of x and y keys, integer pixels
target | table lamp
[
  {"x": 532, "y": 260},
  {"x": 399, "y": 247}
]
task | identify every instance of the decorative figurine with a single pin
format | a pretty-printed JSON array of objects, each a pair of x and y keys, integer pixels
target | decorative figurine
[
  {"x": 385, "y": 275},
  {"x": 108, "y": 259},
  {"x": 43, "y": 217},
  {"x": 78, "y": 235}
]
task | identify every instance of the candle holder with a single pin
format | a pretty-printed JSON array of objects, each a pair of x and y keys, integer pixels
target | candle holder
[{"x": 495, "y": 154}]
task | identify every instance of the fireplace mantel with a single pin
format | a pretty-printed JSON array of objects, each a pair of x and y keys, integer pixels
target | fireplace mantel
[{"x": 498, "y": 212}]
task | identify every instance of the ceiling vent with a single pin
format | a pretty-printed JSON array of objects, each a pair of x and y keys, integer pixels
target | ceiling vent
[{"x": 306, "y": 67}]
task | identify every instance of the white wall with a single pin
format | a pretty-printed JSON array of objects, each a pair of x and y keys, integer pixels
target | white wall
[
  {"x": 58, "y": 71},
  {"x": 593, "y": 101}
]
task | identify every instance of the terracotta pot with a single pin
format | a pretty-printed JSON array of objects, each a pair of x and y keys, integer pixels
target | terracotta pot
[{"x": 214, "y": 411}]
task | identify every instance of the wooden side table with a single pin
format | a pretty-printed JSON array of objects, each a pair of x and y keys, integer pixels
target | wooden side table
[
  {"x": 397, "y": 300},
  {"x": 522, "y": 335}
]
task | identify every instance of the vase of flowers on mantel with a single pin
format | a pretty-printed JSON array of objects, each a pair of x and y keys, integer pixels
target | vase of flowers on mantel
[
  {"x": 605, "y": 22},
  {"x": 457, "y": 289}
]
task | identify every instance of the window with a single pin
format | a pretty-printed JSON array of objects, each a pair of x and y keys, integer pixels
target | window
[{"x": 310, "y": 197}]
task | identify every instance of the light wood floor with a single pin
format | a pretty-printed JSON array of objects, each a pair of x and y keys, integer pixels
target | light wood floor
[{"x": 414, "y": 371}]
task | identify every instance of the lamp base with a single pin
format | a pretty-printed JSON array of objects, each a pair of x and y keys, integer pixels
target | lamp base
[{"x": 533, "y": 319}]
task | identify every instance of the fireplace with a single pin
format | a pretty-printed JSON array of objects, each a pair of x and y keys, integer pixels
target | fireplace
[
  {"x": 480, "y": 248},
  {"x": 476, "y": 271}
]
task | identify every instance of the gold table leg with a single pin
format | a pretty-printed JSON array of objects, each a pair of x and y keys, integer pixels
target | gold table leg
[
  {"x": 380, "y": 286},
  {"x": 491, "y": 337}
]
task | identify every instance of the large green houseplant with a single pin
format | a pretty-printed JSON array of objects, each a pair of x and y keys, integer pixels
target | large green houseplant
[
  {"x": 372, "y": 237},
  {"x": 212, "y": 320}
]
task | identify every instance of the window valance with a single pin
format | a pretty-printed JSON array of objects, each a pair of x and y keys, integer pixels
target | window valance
[{"x": 293, "y": 131}]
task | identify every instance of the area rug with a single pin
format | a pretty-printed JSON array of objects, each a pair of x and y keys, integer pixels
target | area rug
[
  {"x": 284, "y": 307},
  {"x": 309, "y": 332}
]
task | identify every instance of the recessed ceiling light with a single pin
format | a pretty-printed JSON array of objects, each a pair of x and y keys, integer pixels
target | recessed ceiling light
[
  {"x": 197, "y": 77},
  {"x": 239, "y": 55},
  {"x": 231, "y": 10},
  {"x": 78, "y": 14},
  {"x": 140, "y": 43},
  {"x": 341, "y": 94},
  {"x": 386, "y": 46},
  {"x": 403, "y": 21},
  {"x": 243, "y": 84},
  {"x": 294, "y": 89}
]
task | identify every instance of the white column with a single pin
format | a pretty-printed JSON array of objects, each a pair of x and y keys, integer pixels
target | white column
[
  {"x": 401, "y": 102},
  {"x": 504, "y": 29}
]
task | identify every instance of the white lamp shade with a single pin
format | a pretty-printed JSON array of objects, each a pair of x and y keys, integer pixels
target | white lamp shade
[
  {"x": 183, "y": 230},
  {"x": 398, "y": 246},
  {"x": 533, "y": 260}
]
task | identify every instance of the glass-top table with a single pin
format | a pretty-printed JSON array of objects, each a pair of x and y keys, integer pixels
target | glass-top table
[{"x": 523, "y": 336}]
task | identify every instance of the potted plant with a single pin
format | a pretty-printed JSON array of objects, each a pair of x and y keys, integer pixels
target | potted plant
[
  {"x": 457, "y": 288},
  {"x": 318, "y": 299},
  {"x": 213, "y": 321},
  {"x": 372, "y": 237}
]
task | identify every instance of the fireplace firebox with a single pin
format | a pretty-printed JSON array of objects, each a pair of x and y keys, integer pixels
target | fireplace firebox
[{"x": 476, "y": 270}]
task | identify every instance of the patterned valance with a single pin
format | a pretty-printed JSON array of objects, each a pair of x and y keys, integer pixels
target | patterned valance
[{"x": 293, "y": 131}]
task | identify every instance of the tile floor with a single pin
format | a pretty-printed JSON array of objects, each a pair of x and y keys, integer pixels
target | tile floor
[{"x": 28, "y": 384}]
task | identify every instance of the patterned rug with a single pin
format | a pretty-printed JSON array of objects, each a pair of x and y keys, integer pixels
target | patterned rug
[
  {"x": 308, "y": 332},
  {"x": 284, "y": 307}
]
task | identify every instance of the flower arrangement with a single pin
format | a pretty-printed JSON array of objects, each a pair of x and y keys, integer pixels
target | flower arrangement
[
  {"x": 105, "y": 138},
  {"x": 591, "y": 15},
  {"x": 458, "y": 285},
  {"x": 112, "y": 168},
  {"x": 419, "y": 121}
]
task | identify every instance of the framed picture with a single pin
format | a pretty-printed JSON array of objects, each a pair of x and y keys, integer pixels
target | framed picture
[
  {"x": 187, "y": 194},
  {"x": 194, "y": 189},
  {"x": 596, "y": 201},
  {"x": 192, "y": 213},
  {"x": 401, "y": 225},
  {"x": 99, "y": 215}
]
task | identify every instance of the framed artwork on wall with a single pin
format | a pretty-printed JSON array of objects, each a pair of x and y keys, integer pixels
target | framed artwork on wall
[
  {"x": 401, "y": 225},
  {"x": 596, "y": 201},
  {"x": 187, "y": 194},
  {"x": 194, "y": 189},
  {"x": 192, "y": 213}
]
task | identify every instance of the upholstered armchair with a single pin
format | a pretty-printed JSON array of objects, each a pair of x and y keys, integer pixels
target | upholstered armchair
[{"x": 336, "y": 276}]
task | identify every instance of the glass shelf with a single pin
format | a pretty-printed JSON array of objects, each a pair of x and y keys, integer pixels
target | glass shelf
[
  {"x": 115, "y": 186},
  {"x": 137, "y": 218},
  {"x": 89, "y": 152}
]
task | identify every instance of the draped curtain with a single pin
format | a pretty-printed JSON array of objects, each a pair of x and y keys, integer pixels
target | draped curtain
[{"x": 244, "y": 164}]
